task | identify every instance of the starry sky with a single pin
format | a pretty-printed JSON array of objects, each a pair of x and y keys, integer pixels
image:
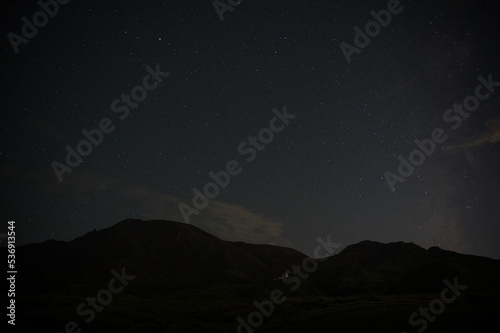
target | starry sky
[{"x": 222, "y": 82}]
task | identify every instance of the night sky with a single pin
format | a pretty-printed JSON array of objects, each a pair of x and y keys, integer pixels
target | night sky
[{"x": 218, "y": 84}]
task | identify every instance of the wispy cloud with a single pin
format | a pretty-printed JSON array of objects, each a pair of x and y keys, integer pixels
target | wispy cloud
[
  {"x": 154, "y": 203},
  {"x": 224, "y": 220},
  {"x": 237, "y": 223},
  {"x": 491, "y": 135}
]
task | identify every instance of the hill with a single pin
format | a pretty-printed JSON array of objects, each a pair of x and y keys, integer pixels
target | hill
[
  {"x": 156, "y": 252},
  {"x": 186, "y": 280}
]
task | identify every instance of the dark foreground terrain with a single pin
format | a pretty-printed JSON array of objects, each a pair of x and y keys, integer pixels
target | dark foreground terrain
[{"x": 173, "y": 277}]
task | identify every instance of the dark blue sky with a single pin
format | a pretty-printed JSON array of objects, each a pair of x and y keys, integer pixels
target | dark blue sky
[{"x": 322, "y": 173}]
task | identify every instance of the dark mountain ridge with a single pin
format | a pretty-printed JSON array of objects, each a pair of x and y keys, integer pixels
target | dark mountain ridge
[
  {"x": 398, "y": 268},
  {"x": 155, "y": 251},
  {"x": 162, "y": 252}
]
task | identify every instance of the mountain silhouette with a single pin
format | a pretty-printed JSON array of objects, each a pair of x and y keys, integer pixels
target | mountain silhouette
[
  {"x": 157, "y": 252},
  {"x": 396, "y": 268},
  {"x": 187, "y": 280},
  {"x": 165, "y": 251}
]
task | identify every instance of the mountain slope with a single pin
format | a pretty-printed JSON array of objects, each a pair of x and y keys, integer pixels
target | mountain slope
[
  {"x": 163, "y": 252},
  {"x": 395, "y": 268},
  {"x": 155, "y": 251}
]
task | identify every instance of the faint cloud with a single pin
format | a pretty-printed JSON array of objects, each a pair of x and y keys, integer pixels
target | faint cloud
[
  {"x": 237, "y": 223},
  {"x": 492, "y": 135},
  {"x": 80, "y": 187},
  {"x": 443, "y": 230},
  {"x": 84, "y": 186},
  {"x": 157, "y": 205},
  {"x": 227, "y": 221},
  {"x": 395, "y": 89}
]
